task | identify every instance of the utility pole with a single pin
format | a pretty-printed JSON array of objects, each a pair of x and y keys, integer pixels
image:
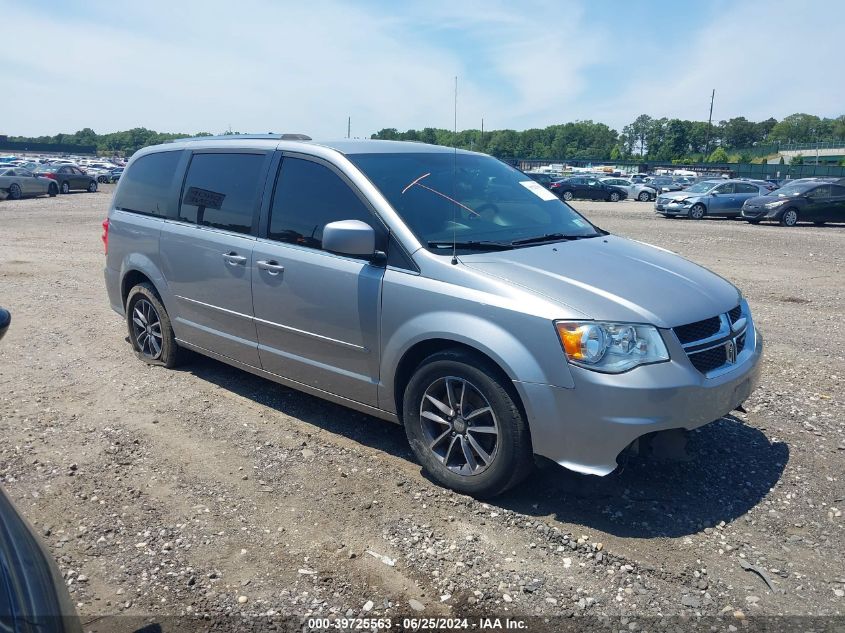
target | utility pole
[
  {"x": 481, "y": 142},
  {"x": 348, "y": 127},
  {"x": 710, "y": 121}
]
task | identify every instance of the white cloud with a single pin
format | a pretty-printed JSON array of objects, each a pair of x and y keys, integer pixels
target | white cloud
[{"x": 259, "y": 65}]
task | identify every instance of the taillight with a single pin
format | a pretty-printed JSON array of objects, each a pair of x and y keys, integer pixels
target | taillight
[
  {"x": 106, "y": 236},
  {"x": 50, "y": 175}
]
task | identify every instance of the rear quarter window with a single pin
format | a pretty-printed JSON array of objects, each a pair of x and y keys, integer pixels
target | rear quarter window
[{"x": 146, "y": 186}]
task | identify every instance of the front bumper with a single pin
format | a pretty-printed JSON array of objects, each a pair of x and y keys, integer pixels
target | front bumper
[
  {"x": 586, "y": 427},
  {"x": 760, "y": 213},
  {"x": 672, "y": 208}
]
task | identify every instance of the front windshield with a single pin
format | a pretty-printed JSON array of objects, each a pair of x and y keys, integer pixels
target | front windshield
[
  {"x": 791, "y": 190},
  {"x": 700, "y": 187},
  {"x": 471, "y": 198}
]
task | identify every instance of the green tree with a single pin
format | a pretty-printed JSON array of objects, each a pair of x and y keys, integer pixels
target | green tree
[
  {"x": 719, "y": 155},
  {"x": 797, "y": 128},
  {"x": 798, "y": 159}
]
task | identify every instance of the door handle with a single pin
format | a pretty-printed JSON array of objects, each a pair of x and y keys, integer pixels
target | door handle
[
  {"x": 272, "y": 267},
  {"x": 234, "y": 259}
]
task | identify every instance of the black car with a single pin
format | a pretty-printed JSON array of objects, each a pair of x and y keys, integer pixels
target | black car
[
  {"x": 544, "y": 179},
  {"x": 587, "y": 187},
  {"x": 33, "y": 596},
  {"x": 813, "y": 201},
  {"x": 664, "y": 184},
  {"x": 69, "y": 177}
]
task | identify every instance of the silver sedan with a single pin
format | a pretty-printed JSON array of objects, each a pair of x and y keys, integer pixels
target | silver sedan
[
  {"x": 15, "y": 183},
  {"x": 641, "y": 192}
]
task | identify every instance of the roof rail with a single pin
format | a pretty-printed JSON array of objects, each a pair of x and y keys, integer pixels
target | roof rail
[{"x": 234, "y": 137}]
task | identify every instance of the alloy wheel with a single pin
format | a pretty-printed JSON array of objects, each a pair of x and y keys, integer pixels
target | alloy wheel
[
  {"x": 459, "y": 425},
  {"x": 790, "y": 217},
  {"x": 146, "y": 327}
]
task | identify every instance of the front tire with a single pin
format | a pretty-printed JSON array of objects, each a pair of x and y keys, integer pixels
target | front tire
[
  {"x": 150, "y": 331},
  {"x": 614, "y": 197},
  {"x": 644, "y": 196},
  {"x": 464, "y": 426},
  {"x": 53, "y": 190},
  {"x": 789, "y": 218},
  {"x": 697, "y": 212}
]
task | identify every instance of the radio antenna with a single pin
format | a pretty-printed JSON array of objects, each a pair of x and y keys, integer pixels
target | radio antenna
[{"x": 454, "y": 182}]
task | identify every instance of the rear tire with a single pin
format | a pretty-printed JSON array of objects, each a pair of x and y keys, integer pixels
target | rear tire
[
  {"x": 567, "y": 195},
  {"x": 150, "y": 331},
  {"x": 65, "y": 187},
  {"x": 15, "y": 192},
  {"x": 789, "y": 218},
  {"x": 614, "y": 197},
  {"x": 644, "y": 196},
  {"x": 489, "y": 405},
  {"x": 92, "y": 186}
]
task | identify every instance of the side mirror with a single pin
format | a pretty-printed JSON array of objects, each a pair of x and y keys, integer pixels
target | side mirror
[
  {"x": 350, "y": 237},
  {"x": 5, "y": 320},
  {"x": 713, "y": 193}
]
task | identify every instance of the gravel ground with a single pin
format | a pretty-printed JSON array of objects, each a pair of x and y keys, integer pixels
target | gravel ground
[{"x": 206, "y": 490}]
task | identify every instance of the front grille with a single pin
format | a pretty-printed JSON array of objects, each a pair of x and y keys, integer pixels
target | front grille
[
  {"x": 734, "y": 314},
  {"x": 698, "y": 330},
  {"x": 709, "y": 360},
  {"x": 694, "y": 336}
]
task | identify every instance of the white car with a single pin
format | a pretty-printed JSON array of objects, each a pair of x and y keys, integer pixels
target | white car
[{"x": 641, "y": 192}]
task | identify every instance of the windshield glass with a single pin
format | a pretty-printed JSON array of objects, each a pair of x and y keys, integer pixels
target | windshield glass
[
  {"x": 791, "y": 190},
  {"x": 700, "y": 187},
  {"x": 469, "y": 197}
]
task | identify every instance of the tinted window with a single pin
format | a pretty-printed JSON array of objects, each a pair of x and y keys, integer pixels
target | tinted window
[
  {"x": 726, "y": 188},
  {"x": 837, "y": 191},
  {"x": 145, "y": 187},
  {"x": 221, "y": 190},
  {"x": 744, "y": 188},
  {"x": 64, "y": 170},
  {"x": 820, "y": 193},
  {"x": 308, "y": 196}
]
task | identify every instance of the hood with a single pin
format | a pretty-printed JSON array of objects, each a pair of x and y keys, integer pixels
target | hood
[
  {"x": 678, "y": 195},
  {"x": 613, "y": 279}
]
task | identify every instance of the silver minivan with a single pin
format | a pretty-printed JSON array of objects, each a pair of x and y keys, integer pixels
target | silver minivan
[{"x": 437, "y": 288}]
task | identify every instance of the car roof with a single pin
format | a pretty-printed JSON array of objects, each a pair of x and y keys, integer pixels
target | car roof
[{"x": 291, "y": 142}]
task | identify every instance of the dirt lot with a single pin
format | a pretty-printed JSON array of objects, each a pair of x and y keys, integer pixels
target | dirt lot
[{"x": 207, "y": 490}]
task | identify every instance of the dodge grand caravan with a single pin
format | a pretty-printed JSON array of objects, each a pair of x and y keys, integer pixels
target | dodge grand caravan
[{"x": 437, "y": 288}]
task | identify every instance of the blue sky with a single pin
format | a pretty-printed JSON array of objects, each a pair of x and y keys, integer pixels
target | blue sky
[{"x": 261, "y": 65}]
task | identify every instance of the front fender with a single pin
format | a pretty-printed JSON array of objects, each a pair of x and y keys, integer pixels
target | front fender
[{"x": 535, "y": 357}]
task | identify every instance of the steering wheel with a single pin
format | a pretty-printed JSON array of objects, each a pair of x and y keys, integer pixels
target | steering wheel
[{"x": 487, "y": 211}]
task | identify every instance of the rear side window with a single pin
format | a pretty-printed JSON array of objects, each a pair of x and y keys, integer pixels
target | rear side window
[
  {"x": 744, "y": 188},
  {"x": 837, "y": 191},
  {"x": 145, "y": 187},
  {"x": 222, "y": 190},
  {"x": 309, "y": 196}
]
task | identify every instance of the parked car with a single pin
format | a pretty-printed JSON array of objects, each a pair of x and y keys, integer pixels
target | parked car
[
  {"x": 715, "y": 198},
  {"x": 543, "y": 178},
  {"x": 33, "y": 595},
  {"x": 69, "y": 177},
  {"x": 663, "y": 184},
  {"x": 634, "y": 191},
  {"x": 801, "y": 201},
  {"x": 116, "y": 173},
  {"x": 101, "y": 174},
  {"x": 587, "y": 187},
  {"x": 16, "y": 183},
  {"x": 442, "y": 290}
]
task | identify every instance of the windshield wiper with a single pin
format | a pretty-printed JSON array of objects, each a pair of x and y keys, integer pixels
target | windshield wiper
[
  {"x": 551, "y": 237},
  {"x": 482, "y": 245}
]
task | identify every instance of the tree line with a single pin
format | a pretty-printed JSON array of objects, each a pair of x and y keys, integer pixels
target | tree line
[
  {"x": 734, "y": 140},
  {"x": 648, "y": 138}
]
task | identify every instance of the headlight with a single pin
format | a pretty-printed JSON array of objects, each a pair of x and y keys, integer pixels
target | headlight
[
  {"x": 775, "y": 205},
  {"x": 610, "y": 347}
]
